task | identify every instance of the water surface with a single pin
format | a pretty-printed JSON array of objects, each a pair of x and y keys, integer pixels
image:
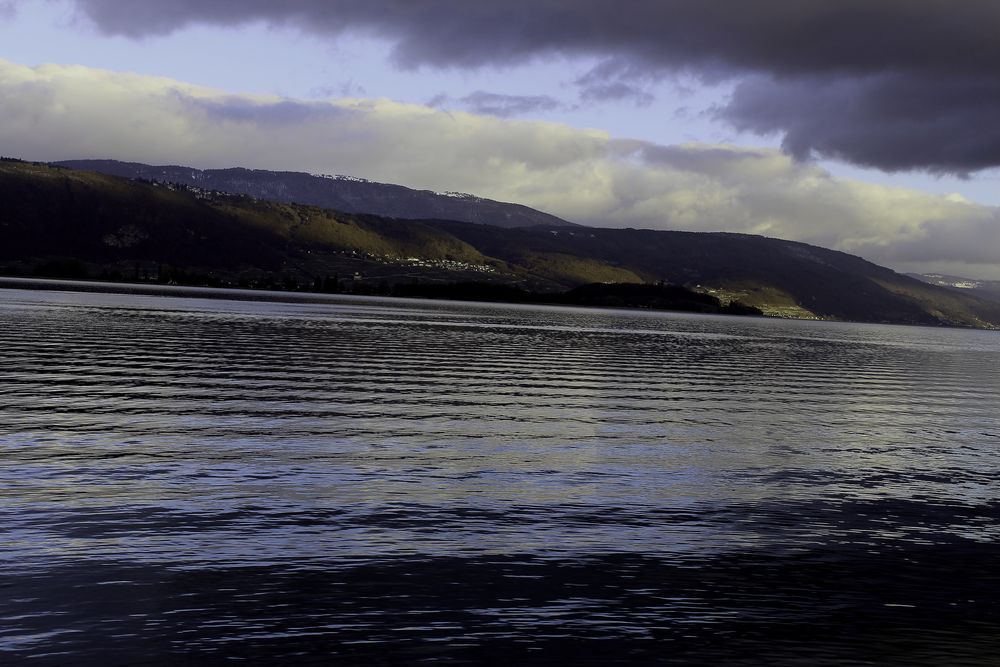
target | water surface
[{"x": 325, "y": 481}]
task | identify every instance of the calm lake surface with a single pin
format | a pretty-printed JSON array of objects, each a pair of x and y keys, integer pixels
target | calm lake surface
[{"x": 201, "y": 481}]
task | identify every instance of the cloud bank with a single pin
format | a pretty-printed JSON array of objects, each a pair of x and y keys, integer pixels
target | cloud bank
[
  {"x": 917, "y": 76},
  {"x": 64, "y": 112}
]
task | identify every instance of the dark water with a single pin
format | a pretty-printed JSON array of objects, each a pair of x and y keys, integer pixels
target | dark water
[{"x": 194, "y": 481}]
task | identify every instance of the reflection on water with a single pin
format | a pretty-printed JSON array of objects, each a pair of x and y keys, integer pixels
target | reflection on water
[{"x": 353, "y": 480}]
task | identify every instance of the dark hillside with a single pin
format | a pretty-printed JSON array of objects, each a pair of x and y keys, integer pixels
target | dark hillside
[
  {"x": 62, "y": 222},
  {"x": 827, "y": 283}
]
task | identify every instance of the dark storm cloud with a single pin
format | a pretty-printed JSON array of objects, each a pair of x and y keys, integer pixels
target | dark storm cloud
[
  {"x": 782, "y": 36},
  {"x": 797, "y": 49},
  {"x": 892, "y": 121}
]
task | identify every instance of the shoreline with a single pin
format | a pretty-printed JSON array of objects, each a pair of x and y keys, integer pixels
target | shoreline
[
  {"x": 277, "y": 296},
  {"x": 249, "y": 294}
]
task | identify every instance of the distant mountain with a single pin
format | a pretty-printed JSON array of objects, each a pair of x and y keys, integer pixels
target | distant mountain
[
  {"x": 985, "y": 289},
  {"x": 68, "y": 223},
  {"x": 342, "y": 193}
]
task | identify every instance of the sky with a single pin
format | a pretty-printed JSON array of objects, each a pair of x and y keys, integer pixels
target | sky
[{"x": 868, "y": 127}]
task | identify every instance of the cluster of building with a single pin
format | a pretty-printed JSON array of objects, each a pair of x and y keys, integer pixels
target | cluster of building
[
  {"x": 450, "y": 264},
  {"x": 199, "y": 193}
]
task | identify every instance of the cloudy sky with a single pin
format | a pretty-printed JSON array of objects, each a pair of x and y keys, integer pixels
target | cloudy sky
[{"x": 870, "y": 127}]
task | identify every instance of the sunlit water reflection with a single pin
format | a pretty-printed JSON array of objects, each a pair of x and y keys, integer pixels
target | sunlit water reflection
[{"x": 347, "y": 480}]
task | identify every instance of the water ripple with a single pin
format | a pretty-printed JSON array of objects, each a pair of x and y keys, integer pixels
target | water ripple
[{"x": 206, "y": 480}]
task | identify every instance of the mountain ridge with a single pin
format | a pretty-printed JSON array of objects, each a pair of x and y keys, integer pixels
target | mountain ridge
[{"x": 348, "y": 194}]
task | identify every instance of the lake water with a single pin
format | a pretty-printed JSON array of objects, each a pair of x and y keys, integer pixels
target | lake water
[{"x": 202, "y": 481}]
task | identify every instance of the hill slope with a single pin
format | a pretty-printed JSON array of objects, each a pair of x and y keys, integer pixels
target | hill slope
[
  {"x": 58, "y": 221},
  {"x": 351, "y": 195},
  {"x": 780, "y": 277}
]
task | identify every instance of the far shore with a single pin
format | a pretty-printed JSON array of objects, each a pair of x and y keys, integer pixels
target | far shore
[{"x": 502, "y": 295}]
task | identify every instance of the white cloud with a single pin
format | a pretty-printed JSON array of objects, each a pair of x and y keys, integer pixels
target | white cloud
[{"x": 63, "y": 112}]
